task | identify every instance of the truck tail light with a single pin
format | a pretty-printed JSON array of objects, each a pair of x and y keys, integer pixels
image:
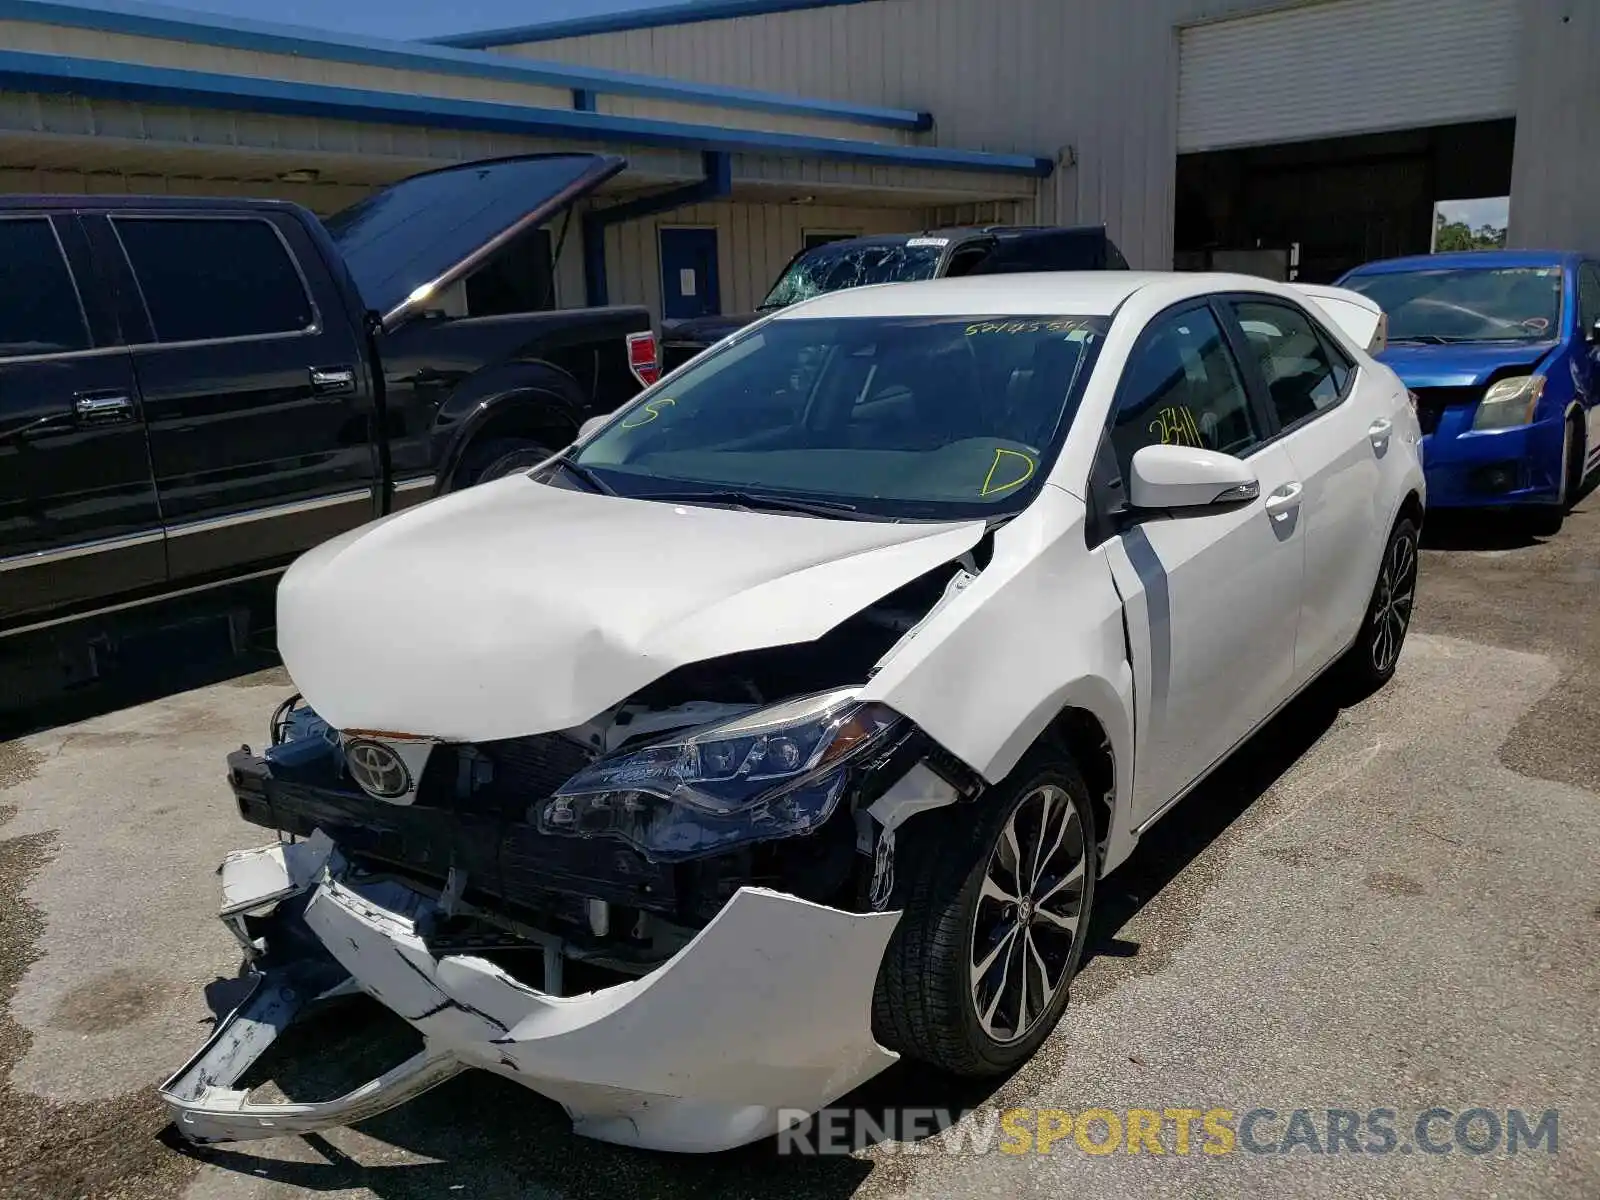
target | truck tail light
[{"x": 644, "y": 357}]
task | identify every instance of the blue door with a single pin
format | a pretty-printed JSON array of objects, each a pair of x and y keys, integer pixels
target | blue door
[{"x": 689, "y": 274}]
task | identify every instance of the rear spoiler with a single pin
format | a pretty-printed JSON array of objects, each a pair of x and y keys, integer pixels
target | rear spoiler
[{"x": 1360, "y": 318}]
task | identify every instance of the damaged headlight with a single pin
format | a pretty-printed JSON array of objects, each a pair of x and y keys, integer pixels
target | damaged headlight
[{"x": 772, "y": 773}]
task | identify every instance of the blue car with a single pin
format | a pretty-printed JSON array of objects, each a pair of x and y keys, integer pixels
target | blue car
[{"x": 1502, "y": 350}]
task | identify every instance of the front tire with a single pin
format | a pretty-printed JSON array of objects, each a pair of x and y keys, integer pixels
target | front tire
[
  {"x": 995, "y": 919},
  {"x": 1547, "y": 521},
  {"x": 1371, "y": 661}
]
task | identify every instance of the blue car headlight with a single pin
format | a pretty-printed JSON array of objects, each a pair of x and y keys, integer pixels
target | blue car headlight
[{"x": 773, "y": 773}]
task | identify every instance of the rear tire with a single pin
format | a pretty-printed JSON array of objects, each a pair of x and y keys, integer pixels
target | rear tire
[
  {"x": 1371, "y": 661},
  {"x": 977, "y": 973}
]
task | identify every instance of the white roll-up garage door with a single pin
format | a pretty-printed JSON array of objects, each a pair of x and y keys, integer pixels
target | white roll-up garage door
[{"x": 1345, "y": 67}]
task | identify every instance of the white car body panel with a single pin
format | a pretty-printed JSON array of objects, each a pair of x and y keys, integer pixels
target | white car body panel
[
  {"x": 515, "y": 609},
  {"x": 1357, "y": 316},
  {"x": 1014, "y": 686},
  {"x": 491, "y": 614},
  {"x": 1212, "y": 680}
]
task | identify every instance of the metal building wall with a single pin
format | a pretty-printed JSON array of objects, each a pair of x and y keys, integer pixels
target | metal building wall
[
  {"x": 1034, "y": 76},
  {"x": 1100, "y": 76},
  {"x": 1555, "y": 172},
  {"x": 158, "y": 52}
]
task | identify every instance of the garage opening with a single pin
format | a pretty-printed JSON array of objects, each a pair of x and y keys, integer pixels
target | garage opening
[{"x": 1311, "y": 210}]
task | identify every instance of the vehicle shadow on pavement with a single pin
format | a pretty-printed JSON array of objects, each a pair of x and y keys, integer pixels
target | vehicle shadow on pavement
[
  {"x": 1486, "y": 529},
  {"x": 1202, "y": 816},
  {"x": 71, "y": 675}
]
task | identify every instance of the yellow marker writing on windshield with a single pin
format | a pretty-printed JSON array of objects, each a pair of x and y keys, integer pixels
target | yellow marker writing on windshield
[
  {"x": 652, "y": 410},
  {"x": 1014, "y": 327},
  {"x": 990, "y": 488}
]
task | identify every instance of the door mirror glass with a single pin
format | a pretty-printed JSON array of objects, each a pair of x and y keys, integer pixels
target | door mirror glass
[
  {"x": 592, "y": 424},
  {"x": 1187, "y": 477}
]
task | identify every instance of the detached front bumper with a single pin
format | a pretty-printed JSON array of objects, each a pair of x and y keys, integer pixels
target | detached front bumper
[{"x": 766, "y": 1009}]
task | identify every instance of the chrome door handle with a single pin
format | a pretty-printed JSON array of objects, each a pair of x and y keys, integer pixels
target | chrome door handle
[
  {"x": 1378, "y": 432},
  {"x": 1285, "y": 500},
  {"x": 333, "y": 381},
  {"x": 102, "y": 408}
]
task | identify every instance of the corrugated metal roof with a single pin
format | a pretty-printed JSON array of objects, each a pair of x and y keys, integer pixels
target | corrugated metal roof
[
  {"x": 637, "y": 18},
  {"x": 182, "y": 25},
  {"x": 22, "y": 71}
]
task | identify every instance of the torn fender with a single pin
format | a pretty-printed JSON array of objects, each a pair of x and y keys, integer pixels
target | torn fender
[{"x": 1040, "y": 629}]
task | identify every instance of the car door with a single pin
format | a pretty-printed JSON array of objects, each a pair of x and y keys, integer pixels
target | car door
[
  {"x": 1213, "y": 598},
  {"x": 79, "y": 523},
  {"x": 1334, "y": 422},
  {"x": 1587, "y": 355},
  {"x": 255, "y": 390}
]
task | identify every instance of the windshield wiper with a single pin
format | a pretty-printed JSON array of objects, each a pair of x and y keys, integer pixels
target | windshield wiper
[
  {"x": 1424, "y": 339},
  {"x": 755, "y": 500},
  {"x": 584, "y": 473}
]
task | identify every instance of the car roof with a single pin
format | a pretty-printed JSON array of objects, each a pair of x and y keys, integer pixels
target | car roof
[
  {"x": 57, "y": 203},
  {"x": 958, "y": 232},
  {"x": 1456, "y": 259},
  {"x": 1043, "y": 293}
]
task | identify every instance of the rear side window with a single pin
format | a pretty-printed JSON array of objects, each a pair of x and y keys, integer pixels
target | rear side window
[
  {"x": 1588, "y": 298},
  {"x": 39, "y": 309},
  {"x": 1302, "y": 372},
  {"x": 206, "y": 278}
]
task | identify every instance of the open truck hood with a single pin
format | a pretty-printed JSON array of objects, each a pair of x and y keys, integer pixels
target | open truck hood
[
  {"x": 405, "y": 243},
  {"x": 516, "y": 608}
]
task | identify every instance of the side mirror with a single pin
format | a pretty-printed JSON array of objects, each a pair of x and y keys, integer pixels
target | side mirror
[
  {"x": 592, "y": 424},
  {"x": 1184, "y": 477}
]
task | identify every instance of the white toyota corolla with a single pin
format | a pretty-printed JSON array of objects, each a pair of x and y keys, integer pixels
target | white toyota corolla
[{"x": 785, "y": 724}]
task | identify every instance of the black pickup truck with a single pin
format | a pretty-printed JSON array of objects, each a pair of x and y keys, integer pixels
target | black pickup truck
[
  {"x": 194, "y": 391},
  {"x": 903, "y": 258}
]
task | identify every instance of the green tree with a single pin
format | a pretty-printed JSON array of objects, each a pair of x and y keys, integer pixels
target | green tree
[{"x": 1458, "y": 235}]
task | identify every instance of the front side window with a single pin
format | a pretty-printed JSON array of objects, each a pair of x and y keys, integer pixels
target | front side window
[
  {"x": 840, "y": 265},
  {"x": 208, "y": 278},
  {"x": 932, "y": 417},
  {"x": 1182, "y": 388},
  {"x": 39, "y": 309},
  {"x": 1467, "y": 304},
  {"x": 1301, "y": 372}
]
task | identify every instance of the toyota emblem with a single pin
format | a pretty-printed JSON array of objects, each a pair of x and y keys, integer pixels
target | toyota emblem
[{"x": 378, "y": 769}]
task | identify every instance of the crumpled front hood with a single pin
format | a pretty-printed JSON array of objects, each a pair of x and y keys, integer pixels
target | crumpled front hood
[
  {"x": 516, "y": 608},
  {"x": 1463, "y": 364}
]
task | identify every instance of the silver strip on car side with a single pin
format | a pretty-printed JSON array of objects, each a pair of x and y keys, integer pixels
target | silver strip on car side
[
  {"x": 253, "y": 515},
  {"x": 89, "y": 614},
  {"x": 39, "y": 558}
]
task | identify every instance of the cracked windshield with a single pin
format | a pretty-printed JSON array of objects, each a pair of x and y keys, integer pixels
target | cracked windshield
[{"x": 833, "y": 268}]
